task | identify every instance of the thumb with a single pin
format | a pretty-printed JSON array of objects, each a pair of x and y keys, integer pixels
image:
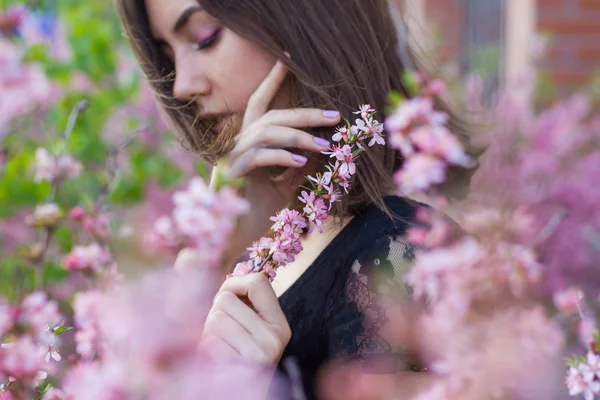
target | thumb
[{"x": 187, "y": 259}]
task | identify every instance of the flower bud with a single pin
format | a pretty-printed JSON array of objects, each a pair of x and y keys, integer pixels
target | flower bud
[
  {"x": 77, "y": 214},
  {"x": 45, "y": 216}
]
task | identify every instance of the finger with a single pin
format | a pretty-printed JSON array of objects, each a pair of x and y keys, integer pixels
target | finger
[
  {"x": 221, "y": 325},
  {"x": 258, "y": 290},
  {"x": 257, "y": 158},
  {"x": 302, "y": 117},
  {"x": 263, "y": 96},
  {"x": 187, "y": 259},
  {"x": 280, "y": 137},
  {"x": 218, "y": 349},
  {"x": 239, "y": 311}
]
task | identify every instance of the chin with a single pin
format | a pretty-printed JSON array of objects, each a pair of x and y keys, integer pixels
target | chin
[{"x": 229, "y": 125}]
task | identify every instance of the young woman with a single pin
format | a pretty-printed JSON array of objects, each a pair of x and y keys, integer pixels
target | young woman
[{"x": 261, "y": 84}]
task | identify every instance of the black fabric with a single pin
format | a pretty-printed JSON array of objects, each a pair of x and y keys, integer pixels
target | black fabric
[{"x": 326, "y": 306}]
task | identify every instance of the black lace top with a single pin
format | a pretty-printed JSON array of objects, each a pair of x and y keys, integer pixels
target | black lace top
[{"x": 326, "y": 306}]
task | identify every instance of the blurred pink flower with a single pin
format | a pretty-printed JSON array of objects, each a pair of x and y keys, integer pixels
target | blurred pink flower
[
  {"x": 50, "y": 168},
  {"x": 23, "y": 358},
  {"x": 92, "y": 257},
  {"x": 45, "y": 216},
  {"x": 39, "y": 313},
  {"x": 566, "y": 301},
  {"x": 577, "y": 384},
  {"x": 419, "y": 173},
  {"x": 22, "y": 87}
]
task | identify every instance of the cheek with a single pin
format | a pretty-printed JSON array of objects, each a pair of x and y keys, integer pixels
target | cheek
[{"x": 242, "y": 67}]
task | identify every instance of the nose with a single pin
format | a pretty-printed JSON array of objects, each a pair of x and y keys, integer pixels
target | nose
[{"x": 190, "y": 80}]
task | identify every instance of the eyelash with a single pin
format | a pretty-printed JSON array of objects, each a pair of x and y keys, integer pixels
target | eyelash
[{"x": 208, "y": 43}]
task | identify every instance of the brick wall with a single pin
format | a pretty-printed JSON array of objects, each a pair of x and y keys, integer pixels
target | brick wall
[
  {"x": 575, "y": 50},
  {"x": 575, "y": 25},
  {"x": 445, "y": 17}
]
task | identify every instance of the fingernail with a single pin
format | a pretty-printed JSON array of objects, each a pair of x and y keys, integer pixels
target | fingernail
[
  {"x": 331, "y": 114},
  {"x": 321, "y": 142},
  {"x": 287, "y": 54},
  {"x": 300, "y": 159}
]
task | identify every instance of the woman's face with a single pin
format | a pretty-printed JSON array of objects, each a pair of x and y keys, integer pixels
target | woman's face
[{"x": 215, "y": 68}]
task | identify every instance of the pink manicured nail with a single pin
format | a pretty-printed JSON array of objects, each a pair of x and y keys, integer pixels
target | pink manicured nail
[
  {"x": 300, "y": 159},
  {"x": 321, "y": 142},
  {"x": 331, "y": 114}
]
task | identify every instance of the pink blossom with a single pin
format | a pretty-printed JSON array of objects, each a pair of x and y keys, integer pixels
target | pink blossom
[
  {"x": 409, "y": 113},
  {"x": 288, "y": 217},
  {"x": 315, "y": 209},
  {"x": 23, "y": 358},
  {"x": 322, "y": 180},
  {"x": 93, "y": 257},
  {"x": 86, "y": 340},
  {"x": 85, "y": 307},
  {"x": 49, "y": 168},
  {"x": 38, "y": 312},
  {"x": 45, "y": 166},
  {"x": 591, "y": 369},
  {"x": 165, "y": 234},
  {"x": 438, "y": 141},
  {"x": 371, "y": 129},
  {"x": 5, "y": 317},
  {"x": 243, "y": 268},
  {"x": 97, "y": 226},
  {"x": 419, "y": 173},
  {"x": 364, "y": 111},
  {"x": 22, "y": 87},
  {"x": 68, "y": 167},
  {"x": 207, "y": 218},
  {"x": 261, "y": 248},
  {"x": 341, "y": 134},
  {"x": 344, "y": 155},
  {"x": 433, "y": 267},
  {"x": 45, "y": 215},
  {"x": 77, "y": 213},
  {"x": 49, "y": 341},
  {"x": 436, "y": 87},
  {"x": 567, "y": 300},
  {"x": 521, "y": 268},
  {"x": 577, "y": 384},
  {"x": 343, "y": 180}
]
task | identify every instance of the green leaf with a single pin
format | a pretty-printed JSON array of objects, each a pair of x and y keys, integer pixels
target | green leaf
[
  {"x": 36, "y": 53},
  {"x": 59, "y": 330},
  {"x": 64, "y": 239},
  {"x": 396, "y": 99},
  {"x": 54, "y": 273},
  {"x": 410, "y": 81},
  {"x": 127, "y": 192}
]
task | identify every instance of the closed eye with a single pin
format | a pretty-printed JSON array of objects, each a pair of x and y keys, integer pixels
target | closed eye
[{"x": 209, "y": 42}]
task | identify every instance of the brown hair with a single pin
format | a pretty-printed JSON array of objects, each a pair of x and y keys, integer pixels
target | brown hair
[{"x": 343, "y": 54}]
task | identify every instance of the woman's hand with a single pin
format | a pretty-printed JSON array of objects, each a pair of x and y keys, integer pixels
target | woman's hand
[
  {"x": 246, "y": 321},
  {"x": 265, "y": 140},
  {"x": 265, "y": 134}
]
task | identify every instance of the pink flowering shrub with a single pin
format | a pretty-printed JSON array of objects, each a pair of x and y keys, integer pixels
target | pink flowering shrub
[
  {"x": 504, "y": 299},
  {"x": 269, "y": 254}
]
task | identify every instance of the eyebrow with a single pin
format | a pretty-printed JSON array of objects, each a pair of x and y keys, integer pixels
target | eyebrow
[
  {"x": 184, "y": 17},
  {"x": 182, "y": 20}
]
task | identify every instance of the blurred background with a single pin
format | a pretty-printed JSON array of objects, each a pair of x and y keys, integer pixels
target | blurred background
[{"x": 500, "y": 38}]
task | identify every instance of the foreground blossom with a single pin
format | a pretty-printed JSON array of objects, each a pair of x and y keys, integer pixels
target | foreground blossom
[{"x": 269, "y": 254}]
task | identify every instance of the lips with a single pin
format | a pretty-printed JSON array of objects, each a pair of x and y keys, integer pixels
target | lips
[{"x": 219, "y": 122}]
